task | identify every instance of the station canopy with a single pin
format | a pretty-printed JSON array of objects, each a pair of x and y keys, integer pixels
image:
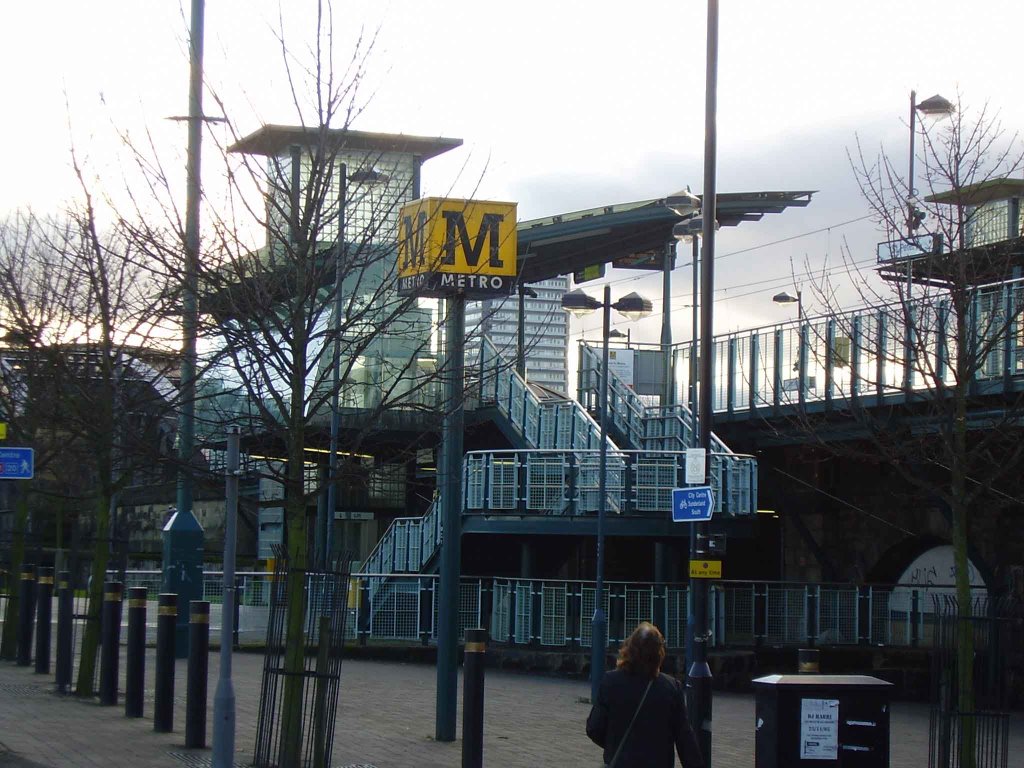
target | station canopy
[{"x": 627, "y": 235}]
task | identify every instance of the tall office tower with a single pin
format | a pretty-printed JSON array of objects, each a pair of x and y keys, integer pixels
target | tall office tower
[{"x": 547, "y": 331}]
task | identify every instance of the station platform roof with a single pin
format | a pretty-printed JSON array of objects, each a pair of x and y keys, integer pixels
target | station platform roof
[{"x": 630, "y": 235}]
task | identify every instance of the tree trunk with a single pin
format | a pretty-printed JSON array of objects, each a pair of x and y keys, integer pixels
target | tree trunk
[
  {"x": 295, "y": 639},
  {"x": 9, "y": 642},
  {"x": 98, "y": 573},
  {"x": 965, "y": 627}
]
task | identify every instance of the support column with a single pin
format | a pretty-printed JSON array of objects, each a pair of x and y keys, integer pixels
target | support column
[
  {"x": 526, "y": 559},
  {"x": 451, "y": 505}
]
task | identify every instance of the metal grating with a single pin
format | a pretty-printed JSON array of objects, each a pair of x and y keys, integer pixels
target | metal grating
[
  {"x": 552, "y": 621},
  {"x": 739, "y": 615}
]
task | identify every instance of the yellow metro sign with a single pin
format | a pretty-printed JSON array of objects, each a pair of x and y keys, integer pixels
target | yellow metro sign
[{"x": 448, "y": 246}]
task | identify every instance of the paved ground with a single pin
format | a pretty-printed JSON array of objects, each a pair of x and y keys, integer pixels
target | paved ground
[{"x": 385, "y": 720}]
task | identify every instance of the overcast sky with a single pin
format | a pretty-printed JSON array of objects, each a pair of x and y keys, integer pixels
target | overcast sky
[{"x": 562, "y": 105}]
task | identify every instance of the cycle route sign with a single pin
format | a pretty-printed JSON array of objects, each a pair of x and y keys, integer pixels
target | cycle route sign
[
  {"x": 17, "y": 463},
  {"x": 692, "y": 505}
]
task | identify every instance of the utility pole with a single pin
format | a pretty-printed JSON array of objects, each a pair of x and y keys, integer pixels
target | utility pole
[
  {"x": 189, "y": 308},
  {"x": 700, "y": 673}
]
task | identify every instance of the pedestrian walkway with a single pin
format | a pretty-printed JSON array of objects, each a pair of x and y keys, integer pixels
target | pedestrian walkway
[{"x": 385, "y": 720}]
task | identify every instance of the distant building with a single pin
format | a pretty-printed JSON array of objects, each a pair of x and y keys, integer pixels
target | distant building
[{"x": 547, "y": 331}]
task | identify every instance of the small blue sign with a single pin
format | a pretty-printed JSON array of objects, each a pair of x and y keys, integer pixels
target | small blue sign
[
  {"x": 692, "y": 505},
  {"x": 17, "y": 463}
]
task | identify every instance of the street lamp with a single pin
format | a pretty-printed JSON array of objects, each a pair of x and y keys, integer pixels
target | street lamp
[
  {"x": 615, "y": 333},
  {"x": 632, "y": 306},
  {"x": 524, "y": 293},
  {"x": 689, "y": 231},
  {"x": 801, "y": 351},
  {"x": 785, "y": 298},
  {"x": 936, "y": 107}
]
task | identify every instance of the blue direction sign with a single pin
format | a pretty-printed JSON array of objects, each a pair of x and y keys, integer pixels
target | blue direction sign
[
  {"x": 16, "y": 463},
  {"x": 692, "y": 505}
]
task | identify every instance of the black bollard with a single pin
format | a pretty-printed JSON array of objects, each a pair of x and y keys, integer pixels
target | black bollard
[
  {"x": 110, "y": 642},
  {"x": 808, "y": 661},
  {"x": 198, "y": 666},
  {"x": 163, "y": 683},
  {"x": 44, "y": 614},
  {"x": 26, "y": 614},
  {"x": 135, "y": 657},
  {"x": 65, "y": 609},
  {"x": 473, "y": 699}
]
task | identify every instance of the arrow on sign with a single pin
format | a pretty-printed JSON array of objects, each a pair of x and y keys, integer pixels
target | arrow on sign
[{"x": 692, "y": 505}]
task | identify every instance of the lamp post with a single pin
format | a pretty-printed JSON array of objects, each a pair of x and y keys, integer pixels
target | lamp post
[
  {"x": 699, "y": 678},
  {"x": 785, "y": 298},
  {"x": 937, "y": 107},
  {"x": 687, "y": 205},
  {"x": 524, "y": 292},
  {"x": 801, "y": 352},
  {"x": 634, "y": 307}
]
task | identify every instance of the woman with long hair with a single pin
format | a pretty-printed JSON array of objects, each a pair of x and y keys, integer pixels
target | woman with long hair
[{"x": 640, "y": 715}]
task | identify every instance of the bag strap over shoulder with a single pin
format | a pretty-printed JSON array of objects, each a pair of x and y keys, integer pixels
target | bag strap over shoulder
[{"x": 622, "y": 741}]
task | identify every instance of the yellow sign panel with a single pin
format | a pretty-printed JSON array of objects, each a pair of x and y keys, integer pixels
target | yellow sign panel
[
  {"x": 3, "y": 430},
  {"x": 448, "y": 246},
  {"x": 705, "y": 569}
]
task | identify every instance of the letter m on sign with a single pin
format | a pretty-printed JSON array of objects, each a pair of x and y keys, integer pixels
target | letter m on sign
[
  {"x": 457, "y": 234},
  {"x": 415, "y": 241}
]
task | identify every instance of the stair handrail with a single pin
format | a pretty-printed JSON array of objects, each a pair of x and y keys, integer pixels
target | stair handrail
[
  {"x": 520, "y": 385},
  {"x": 632, "y": 399},
  {"x": 618, "y": 388},
  {"x": 374, "y": 561}
]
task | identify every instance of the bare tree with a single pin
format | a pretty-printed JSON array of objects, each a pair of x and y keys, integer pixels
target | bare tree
[
  {"x": 78, "y": 308},
  {"x": 313, "y": 312},
  {"x": 946, "y": 325}
]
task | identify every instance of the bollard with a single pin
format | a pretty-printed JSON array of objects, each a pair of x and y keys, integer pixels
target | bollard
[
  {"x": 198, "y": 666},
  {"x": 26, "y": 614},
  {"x": 65, "y": 609},
  {"x": 163, "y": 683},
  {"x": 44, "y": 614},
  {"x": 135, "y": 657},
  {"x": 110, "y": 642},
  {"x": 808, "y": 661},
  {"x": 473, "y": 699}
]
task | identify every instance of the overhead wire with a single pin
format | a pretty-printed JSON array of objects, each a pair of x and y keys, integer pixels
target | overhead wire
[{"x": 770, "y": 282}]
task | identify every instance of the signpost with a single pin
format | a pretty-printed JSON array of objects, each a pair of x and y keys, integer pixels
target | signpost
[
  {"x": 451, "y": 247},
  {"x": 705, "y": 569},
  {"x": 17, "y": 463},
  {"x": 696, "y": 465},
  {"x": 455, "y": 250},
  {"x": 692, "y": 505}
]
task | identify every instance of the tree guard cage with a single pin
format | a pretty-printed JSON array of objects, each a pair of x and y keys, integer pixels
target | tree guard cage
[
  {"x": 997, "y": 625},
  {"x": 325, "y": 608}
]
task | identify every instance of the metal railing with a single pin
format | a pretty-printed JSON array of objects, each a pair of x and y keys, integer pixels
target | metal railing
[
  {"x": 562, "y": 424},
  {"x": 867, "y": 354},
  {"x": 669, "y": 428},
  {"x": 407, "y": 545},
  {"x": 555, "y": 613},
  {"x": 567, "y": 482}
]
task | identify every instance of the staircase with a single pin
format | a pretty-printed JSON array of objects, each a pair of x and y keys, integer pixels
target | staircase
[
  {"x": 669, "y": 428},
  {"x": 556, "y": 471}
]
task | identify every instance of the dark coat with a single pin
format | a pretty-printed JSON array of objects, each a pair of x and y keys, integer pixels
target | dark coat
[{"x": 663, "y": 723}]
